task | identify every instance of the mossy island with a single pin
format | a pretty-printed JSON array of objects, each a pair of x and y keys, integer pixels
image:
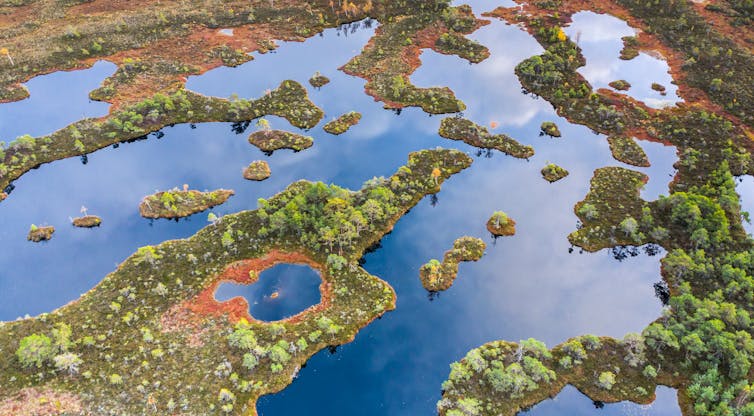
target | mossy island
[
  {"x": 630, "y": 48},
  {"x": 626, "y": 150},
  {"x": 457, "y": 128},
  {"x": 37, "y": 234},
  {"x": 437, "y": 276},
  {"x": 257, "y": 170},
  {"x": 549, "y": 128},
  {"x": 270, "y": 140},
  {"x": 341, "y": 124},
  {"x": 620, "y": 85},
  {"x": 659, "y": 88},
  {"x": 500, "y": 224},
  {"x": 177, "y": 203},
  {"x": 87, "y": 221},
  {"x": 318, "y": 80},
  {"x": 553, "y": 173}
]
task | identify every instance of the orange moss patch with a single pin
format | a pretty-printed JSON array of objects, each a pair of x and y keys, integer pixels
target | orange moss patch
[
  {"x": 247, "y": 272},
  {"x": 40, "y": 402}
]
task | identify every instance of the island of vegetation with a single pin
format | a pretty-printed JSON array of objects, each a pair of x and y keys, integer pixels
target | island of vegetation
[
  {"x": 177, "y": 203},
  {"x": 270, "y": 140},
  {"x": 37, "y": 234},
  {"x": 257, "y": 170},
  {"x": 341, "y": 124},
  {"x": 500, "y": 224},
  {"x": 456, "y": 128},
  {"x": 437, "y": 276},
  {"x": 549, "y": 128},
  {"x": 659, "y": 88},
  {"x": 626, "y": 150},
  {"x": 318, "y": 80},
  {"x": 87, "y": 221},
  {"x": 152, "y": 336},
  {"x": 553, "y": 173},
  {"x": 620, "y": 85},
  {"x": 630, "y": 48}
]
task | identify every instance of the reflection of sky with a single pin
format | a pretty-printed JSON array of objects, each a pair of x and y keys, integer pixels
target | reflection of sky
[
  {"x": 55, "y": 101},
  {"x": 525, "y": 286},
  {"x": 599, "y": 36},
  {"x": 297, "y": 288},
  {"x": 664, "y": 404},
  {"x": 745, "y": 189}
]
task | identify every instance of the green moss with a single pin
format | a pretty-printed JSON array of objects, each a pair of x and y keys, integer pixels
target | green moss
[
  {"x": 500, "y": 224},
  {"x": 270, "y": 140},
  {"x": 549, "y": 128}
]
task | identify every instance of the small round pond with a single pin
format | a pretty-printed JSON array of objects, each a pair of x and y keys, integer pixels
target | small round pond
[{"x": 281, "y": 292}]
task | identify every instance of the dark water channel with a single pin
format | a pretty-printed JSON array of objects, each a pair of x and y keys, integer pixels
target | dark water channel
[{"x": 528, "y": 285}]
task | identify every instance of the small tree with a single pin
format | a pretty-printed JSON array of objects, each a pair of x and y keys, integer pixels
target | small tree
[{"x": 35, "y": 350}]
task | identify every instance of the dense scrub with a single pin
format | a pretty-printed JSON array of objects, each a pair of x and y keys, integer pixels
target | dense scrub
[
  {"x": 626, "y": 150},
  {"x": 553, "y": 173},
  {"x": 344, "y": 122}
]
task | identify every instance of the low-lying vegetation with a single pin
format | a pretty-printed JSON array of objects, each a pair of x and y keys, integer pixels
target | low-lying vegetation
[
  {"x": 456, "y": 128},
  {"x": 344, "y": 122},
  {"x": 437, "y": 276},
  {"x": 177, "y": 203}
]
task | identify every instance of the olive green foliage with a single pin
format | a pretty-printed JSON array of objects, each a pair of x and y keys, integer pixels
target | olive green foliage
[
  {"x": 621, "y": 85},
  {"x": 318, "y": 80},
  {"x": 344, "y": 122},
  {"x": 257, "y": 170},
  {"x": 181, "y": 203},
  {"x": 549, "y": 128},
  {"x": 437, "y": 276},
  {"x": 456, "y": 128}
]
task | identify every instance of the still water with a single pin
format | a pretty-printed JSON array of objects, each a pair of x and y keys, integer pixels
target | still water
[{"x": 525, "y": 286}]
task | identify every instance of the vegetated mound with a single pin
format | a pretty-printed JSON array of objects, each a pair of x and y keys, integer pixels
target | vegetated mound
[
  {"x": 341, "y": 124},
  {"x": 626, "y": 150},
  {"x": 178, "y": 204},
  {"x": 553, "y": 173},
  {"x": 456, "y": 128},
  {"x": 630, "y": 48},
  {"x": 500, "y": 224},
  {"x": 549, "y": 128},
  {"x": 257, "y": 170},
  {"x": 37, "y": 234},
  {"x": 659, "y": 88},
  {"x": 437, "y": 276},
  {"x": 271, "y": 140},
  {"x": 318, "y": 80},
  {"x": 87, "y": 221},
  {"x": 620, "y": 85}
]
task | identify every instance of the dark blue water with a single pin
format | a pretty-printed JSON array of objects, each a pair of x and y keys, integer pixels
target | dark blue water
[
  {"x": 526, "y": 286},
  {"x": 281, "y": 292}
]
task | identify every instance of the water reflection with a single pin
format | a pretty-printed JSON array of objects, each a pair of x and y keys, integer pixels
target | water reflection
[
  {"x": 664, "y": 404},
  {"x": 55, "y": 101},
  {"x": 745, "y": 189},
  {"x": 281, "y": 291},
  {"x": 599, "y": 36},
  {"x": 397, "y": 364}
]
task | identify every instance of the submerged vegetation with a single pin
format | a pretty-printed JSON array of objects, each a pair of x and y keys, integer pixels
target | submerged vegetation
[
  {"x": 341, "y": 124},
  {"x": 181, "y": 203},
  {"x": 456, "y": 128},
  {"x": 437, "y": 276},
  {"x": 152, "y": 328}
]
